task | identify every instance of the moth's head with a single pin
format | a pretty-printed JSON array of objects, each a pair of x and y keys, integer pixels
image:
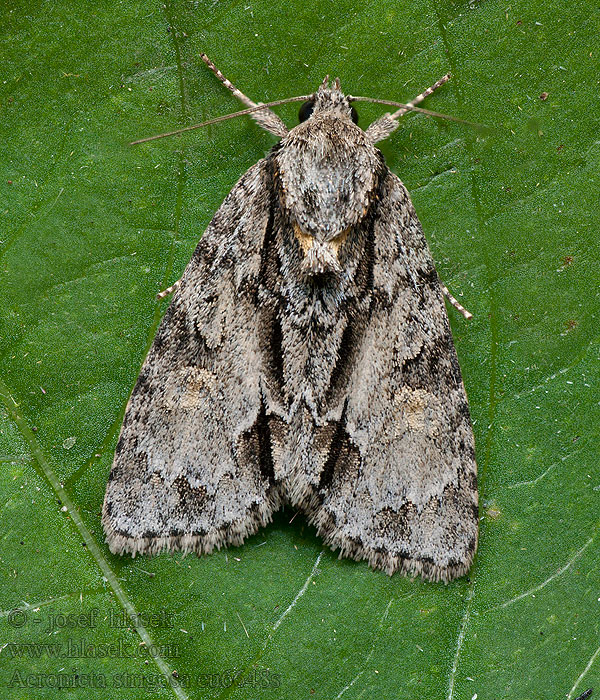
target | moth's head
[
  {"x": 327, "y": 170},
  {"x": 328, "y": 100}
]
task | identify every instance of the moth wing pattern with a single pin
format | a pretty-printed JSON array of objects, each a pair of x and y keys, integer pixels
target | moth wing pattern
[
  {"x": 191, "y": 469},
  {"x": 399, "y": 487}
]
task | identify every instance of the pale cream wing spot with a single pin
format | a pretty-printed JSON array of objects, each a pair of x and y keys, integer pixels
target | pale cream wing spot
[
  {"x": 413, "y": 409},
  {"x": 189, "y": 387}
]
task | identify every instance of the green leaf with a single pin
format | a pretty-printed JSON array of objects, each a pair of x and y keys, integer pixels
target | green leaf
[{"x": 91, "y": 229}]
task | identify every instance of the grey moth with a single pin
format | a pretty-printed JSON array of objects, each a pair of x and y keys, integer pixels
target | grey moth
[{"x": 306, "y": 359}]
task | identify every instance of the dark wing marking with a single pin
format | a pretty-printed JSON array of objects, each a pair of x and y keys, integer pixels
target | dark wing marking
[
  {"x": 193, "y": 467},
  {"x": 398, "y": 487}
]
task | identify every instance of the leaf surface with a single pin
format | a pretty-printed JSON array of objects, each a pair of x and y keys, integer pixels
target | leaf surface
[{"x": 91, "y": 229}]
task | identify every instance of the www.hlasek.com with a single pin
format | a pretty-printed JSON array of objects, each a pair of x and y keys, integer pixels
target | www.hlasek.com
[{"x": 82, "y": 649}]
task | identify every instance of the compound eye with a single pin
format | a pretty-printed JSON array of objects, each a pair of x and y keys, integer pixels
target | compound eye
[
  {"x": 306, "y": 110},
  {"x": 354, "y": 115}
]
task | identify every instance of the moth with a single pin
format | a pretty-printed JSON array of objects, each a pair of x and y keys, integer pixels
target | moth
[{"x": 306, "y": 359}]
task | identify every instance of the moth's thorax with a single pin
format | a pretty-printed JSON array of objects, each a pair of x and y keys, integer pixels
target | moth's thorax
[{"x": 327, "y": 171}]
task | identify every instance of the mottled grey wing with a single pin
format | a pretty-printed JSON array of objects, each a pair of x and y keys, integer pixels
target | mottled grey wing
[
  {"x": 399, "y": 486},
  {"x": 192, "y": 465}
]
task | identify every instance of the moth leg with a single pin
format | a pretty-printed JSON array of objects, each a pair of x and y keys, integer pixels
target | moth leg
[
  {"x": 169, "y": 290},
  {"x": 455, "y": 303},
  {"x": 381, "y": 128},
  {"x": 265, "y": 118}
]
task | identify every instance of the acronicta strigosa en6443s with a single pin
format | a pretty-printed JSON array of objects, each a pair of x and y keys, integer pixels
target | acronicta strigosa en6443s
[{"x": 305, "y": 358}]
